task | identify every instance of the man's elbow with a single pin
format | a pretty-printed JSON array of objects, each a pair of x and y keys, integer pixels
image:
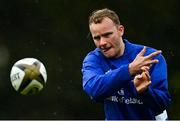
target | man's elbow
[{"x": 92, "y": 93}]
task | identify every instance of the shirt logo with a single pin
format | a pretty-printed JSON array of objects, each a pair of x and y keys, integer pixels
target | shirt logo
[{"x": 122, "y": 99}]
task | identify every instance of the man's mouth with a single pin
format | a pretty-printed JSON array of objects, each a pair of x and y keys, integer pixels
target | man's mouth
[{"x": 105, "y": 49}]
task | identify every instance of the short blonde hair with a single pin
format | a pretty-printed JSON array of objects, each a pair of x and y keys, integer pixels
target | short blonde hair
[{"x": 98, "y": 15}]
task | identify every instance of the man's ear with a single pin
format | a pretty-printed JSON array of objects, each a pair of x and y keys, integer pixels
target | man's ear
[{"x": 121, "y": 29}]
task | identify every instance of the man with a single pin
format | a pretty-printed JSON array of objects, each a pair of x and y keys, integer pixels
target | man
[{"x": 130, "y": 79}]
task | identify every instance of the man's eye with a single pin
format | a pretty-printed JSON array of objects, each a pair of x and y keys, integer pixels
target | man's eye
[
  {"x": 97, "y": 38},
  {"x": 107, "y": 34}
]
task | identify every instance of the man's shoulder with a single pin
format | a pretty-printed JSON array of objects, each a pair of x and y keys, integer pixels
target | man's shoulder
[
  {"x": 93, "y": 55},
  {"x": 139, "y": 47},
  {"x": 149, "y": 49},
  {"x": 95, "y": 52},
  {"x": 133, "y": 48}
]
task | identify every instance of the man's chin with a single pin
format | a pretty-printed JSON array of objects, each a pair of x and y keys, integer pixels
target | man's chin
[{"x": 108, "y": 55}]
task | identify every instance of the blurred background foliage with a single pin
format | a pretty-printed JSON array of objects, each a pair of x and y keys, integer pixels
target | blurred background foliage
[{"x": 55, "y": 32}]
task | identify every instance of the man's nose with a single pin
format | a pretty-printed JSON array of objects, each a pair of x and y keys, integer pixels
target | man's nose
[{"x": 102, "y": 41}]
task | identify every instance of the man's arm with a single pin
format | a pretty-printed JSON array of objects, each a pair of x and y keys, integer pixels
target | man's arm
[
  {"x": 100, "y": 85},
  {"x": 155, "y": 95}
]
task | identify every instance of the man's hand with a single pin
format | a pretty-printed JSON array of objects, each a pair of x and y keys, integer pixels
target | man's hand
[
  {"x": 141, "y": 60},
  {"x": 142, "y": 81}
]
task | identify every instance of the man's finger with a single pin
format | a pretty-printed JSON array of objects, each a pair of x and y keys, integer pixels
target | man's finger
[
  {"x": 143, "y": 51},
  {"x": 148, "y": 83},
  {"x": 148, "y": 76},
  {"x": 145, "y": 68},
  {"x": 150, "y": 62},
  {"x": 150, "y": 56}
]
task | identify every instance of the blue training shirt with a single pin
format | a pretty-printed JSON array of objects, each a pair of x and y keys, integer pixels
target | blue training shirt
[{"x": 109, "y": 81}]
